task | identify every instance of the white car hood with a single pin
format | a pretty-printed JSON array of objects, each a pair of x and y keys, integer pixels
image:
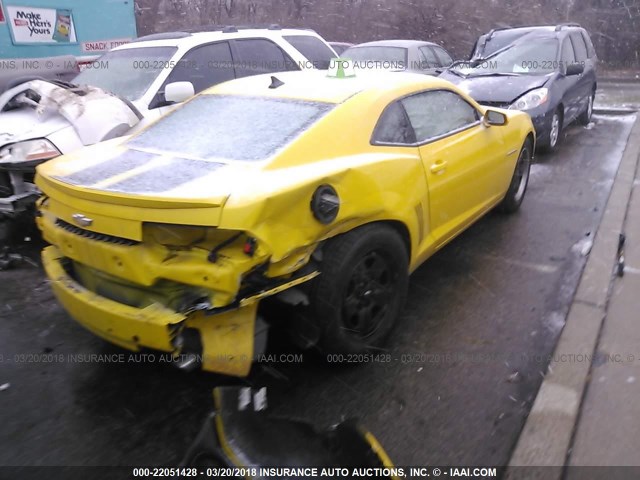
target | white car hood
[
  {"x": 94, "y": 114},
  {"x": 26, "y": 124}
]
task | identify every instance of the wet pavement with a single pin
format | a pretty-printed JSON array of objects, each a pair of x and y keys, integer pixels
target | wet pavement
[{"x": 454, "y": 387}]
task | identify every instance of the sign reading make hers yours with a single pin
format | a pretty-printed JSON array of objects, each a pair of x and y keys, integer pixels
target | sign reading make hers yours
[{"x": 41, "y": 25}]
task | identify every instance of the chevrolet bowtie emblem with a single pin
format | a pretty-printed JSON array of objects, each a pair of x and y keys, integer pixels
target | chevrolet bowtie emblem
[{"x": 82, "y": 220}]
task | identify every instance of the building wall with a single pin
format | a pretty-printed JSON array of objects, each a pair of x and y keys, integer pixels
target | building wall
[{"x": 94, "y": 20}]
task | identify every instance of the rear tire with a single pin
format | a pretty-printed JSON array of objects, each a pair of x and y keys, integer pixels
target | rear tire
[
  {"x": 585, "y": 117},
  {"x": 519, "y": 182},
  {"x": 361, "y": 290}
]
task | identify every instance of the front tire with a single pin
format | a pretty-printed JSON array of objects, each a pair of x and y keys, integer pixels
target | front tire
[
  {"x": 519, "y": 182},
  {"x": 551, "y": 140},
  {"x": 585, "y": 117},
  {"x": 361, "y": 290}
]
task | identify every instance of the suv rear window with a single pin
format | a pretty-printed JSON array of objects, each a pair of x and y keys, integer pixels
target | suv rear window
[
  {"x": 313, "y": 49},
  {"x": 229, "y": 127},
  {"x": 378, "y": 57}
]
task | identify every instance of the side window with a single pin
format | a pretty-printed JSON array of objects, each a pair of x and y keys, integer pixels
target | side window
[
  {"x": 445, "y": 58},
  {"x": 590, "y": 50},
  {"x": 257, "y": 56},
  {"x": 579, "y": 46},
  {"x": 394, "y": 127},
  {"x": 204, "y": 66},
  {"x": 568, "y": 57},
  {"x": 313, "y": 49},
  {"x": 439, "y": 112},
  {"x": 428, "y": 59}
]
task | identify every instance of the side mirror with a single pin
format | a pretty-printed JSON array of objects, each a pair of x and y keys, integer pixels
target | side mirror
[
  {"x": 574, "y": 69},
  {"x": 177, "y": 92},
  {"x": 492, "y": 117}
]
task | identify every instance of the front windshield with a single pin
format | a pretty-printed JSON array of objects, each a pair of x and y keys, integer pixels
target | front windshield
[
  {"x": 127, "y": 73},
  {"x": 393, "y": 58},
  {"x": 231, "y": 127},
  {"x": 538, "y": 57}
]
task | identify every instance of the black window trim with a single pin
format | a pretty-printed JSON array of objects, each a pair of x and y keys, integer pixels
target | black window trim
[{"x": 417, "y": 144}]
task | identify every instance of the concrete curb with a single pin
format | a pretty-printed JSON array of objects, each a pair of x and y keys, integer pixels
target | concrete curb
[
  {"x": 547, "y": 433},
  {"x": 614, "y": 111},
  {"x": 618, "y": 80}
]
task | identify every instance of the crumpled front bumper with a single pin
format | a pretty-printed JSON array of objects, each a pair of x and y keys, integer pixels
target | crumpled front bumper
[{"x": 227, "y": 338}]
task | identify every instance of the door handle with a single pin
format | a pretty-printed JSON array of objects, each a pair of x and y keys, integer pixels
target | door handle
[{"x": 439, "y": 167}]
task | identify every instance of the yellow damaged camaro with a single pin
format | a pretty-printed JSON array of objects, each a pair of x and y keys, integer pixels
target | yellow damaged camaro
[{"x": 319, "y": 191}]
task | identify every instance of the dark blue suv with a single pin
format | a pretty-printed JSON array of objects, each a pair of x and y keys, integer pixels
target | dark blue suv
[{"x": 547, "y": 71}]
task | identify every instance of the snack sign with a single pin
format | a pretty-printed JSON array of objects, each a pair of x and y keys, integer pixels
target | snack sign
[{"x": 41, "y": 25}]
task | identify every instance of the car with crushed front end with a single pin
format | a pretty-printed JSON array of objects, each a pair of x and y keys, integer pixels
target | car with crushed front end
[
  {"x": 547, "y": 71},
  {"x": 321, "y": 191}
]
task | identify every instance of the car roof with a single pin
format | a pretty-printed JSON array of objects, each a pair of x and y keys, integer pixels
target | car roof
[
  {"x": 314, "y": 85},
  {"x": 395, "y": 43},
  {"x": 190, "y": 39}
]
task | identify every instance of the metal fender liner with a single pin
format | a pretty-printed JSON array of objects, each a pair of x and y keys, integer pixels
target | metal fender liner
[
  {"x": 277, "y": 289},
  {"x": 227, "y": 340},
  {"x": 228, "y": 336}
]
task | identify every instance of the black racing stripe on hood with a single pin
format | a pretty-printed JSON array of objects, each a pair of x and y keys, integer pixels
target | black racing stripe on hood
[
  {"x": 176, "y": 172},
  {"x": 109, "y": 168}
]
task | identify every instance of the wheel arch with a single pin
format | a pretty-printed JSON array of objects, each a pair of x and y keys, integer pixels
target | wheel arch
[
  {"x": 560, "y": 109},
  {"x": 402, "y": 231},
  {"x": 531, "y": 138},
  {"x": 396, "y": 225}
]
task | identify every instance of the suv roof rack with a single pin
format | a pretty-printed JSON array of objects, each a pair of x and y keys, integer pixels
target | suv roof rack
[
  {"x": 560, "y": 26},
  {"x": 162, "y": 36},
  {"x": 236, "y": 28},
  {"x": 187, "y": 32}
]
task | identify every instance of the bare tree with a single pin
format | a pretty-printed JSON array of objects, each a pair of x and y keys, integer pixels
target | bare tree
[{"x": 456, "y": 24}]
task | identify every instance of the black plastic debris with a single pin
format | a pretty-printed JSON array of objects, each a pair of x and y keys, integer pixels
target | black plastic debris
[
  {"x": 620, "y": 264},
  {"x": 12, "y": 260}
]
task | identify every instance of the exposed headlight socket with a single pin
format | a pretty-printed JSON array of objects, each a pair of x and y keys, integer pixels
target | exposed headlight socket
[
  {"x": 325, "y": 204},
  {"x": 249, "y": 247}
]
